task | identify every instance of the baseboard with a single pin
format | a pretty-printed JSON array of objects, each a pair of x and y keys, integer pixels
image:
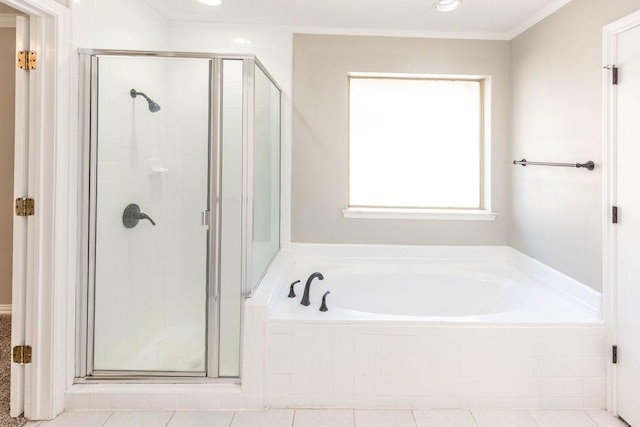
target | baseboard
[{"x": 5, "y": 308}]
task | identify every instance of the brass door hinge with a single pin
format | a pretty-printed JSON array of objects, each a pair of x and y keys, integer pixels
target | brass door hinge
[
  {"x": 25, "y": 207},
  {"x": 22, "y": 354},
  {"x": 27, "y": 60}
]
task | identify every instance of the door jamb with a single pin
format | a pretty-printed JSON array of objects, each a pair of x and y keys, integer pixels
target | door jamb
[
  {"x": 609, "y": 193},
  {"x": 52, "y": 234},
  {"x": 20, "y": 225}
]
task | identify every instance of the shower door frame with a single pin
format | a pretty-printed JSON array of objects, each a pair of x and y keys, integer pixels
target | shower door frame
[{"x": 85, "y": 293}]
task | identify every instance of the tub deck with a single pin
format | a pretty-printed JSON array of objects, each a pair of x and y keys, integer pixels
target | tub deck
[{"x": 523, "y": 299}]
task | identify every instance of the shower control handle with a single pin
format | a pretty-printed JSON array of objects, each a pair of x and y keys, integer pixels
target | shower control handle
[
  {"x": 145, "y": 216},
  {"x": 132, "y": 215}
]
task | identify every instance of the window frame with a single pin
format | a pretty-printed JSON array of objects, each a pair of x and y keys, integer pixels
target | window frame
[{"x": 483, "y": 210}]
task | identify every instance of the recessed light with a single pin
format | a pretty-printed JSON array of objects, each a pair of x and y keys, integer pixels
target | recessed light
[
  {"x": 445, "y": 5},
  {"x": 211, "y": 2}
]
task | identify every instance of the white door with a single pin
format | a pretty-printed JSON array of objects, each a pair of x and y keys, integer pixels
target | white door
[
  {"x": 628, "y": 228},
  {"x": 20, "y": 224}
]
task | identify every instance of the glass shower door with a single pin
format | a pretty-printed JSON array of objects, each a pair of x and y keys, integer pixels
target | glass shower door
[{"x": 150, "y": 195}]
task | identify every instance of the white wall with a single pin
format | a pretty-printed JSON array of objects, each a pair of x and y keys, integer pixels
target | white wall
[
  {"x": 7, "y": 125},
  {"x": 117, "y": 24},
  {"x": 126, "y": 309},
  {"x": 183, "y": 194},
  {"x": 320, "y": 152},
  {"x": 556, "y": 109}
]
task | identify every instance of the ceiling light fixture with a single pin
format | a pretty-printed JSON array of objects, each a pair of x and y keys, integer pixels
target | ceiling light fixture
[
  {"x": 445, "y": 5},
  {"x": 211, "y": 2}
]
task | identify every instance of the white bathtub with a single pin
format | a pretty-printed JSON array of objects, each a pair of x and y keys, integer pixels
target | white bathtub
[
  {"x": 470, "y": 291},
  {"x": 425, "y": 328}
]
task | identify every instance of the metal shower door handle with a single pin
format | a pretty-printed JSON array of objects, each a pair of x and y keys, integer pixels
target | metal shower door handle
[{"x": 205, "y": 218}]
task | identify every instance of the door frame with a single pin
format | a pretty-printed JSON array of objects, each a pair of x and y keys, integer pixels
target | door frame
[
  {"x": 51, "y": 244},
  {"x": 609, "y": 194}
]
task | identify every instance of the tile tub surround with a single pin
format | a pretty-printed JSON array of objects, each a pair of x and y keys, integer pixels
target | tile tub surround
[{"x": 424, "y": 366}]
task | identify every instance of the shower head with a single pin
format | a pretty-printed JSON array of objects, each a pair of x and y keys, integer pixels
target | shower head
[{"x": 153, "y": 107}]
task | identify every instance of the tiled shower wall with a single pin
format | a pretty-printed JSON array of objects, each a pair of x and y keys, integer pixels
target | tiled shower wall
[
  {"x": 182, "y": 191},
  {"x": 126, "y": 132},
  {"x": 138, "y": 269},
  {"x": 427, "y": 366}
]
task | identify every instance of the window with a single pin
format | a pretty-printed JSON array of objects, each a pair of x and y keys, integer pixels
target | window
[{"x": 416, "y": 144}]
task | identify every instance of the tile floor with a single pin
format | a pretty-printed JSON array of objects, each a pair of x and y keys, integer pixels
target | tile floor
[{"x": 339, "y": 418}]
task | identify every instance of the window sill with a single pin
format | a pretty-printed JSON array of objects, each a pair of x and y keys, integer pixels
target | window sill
[{"x": 412, "y": 213}]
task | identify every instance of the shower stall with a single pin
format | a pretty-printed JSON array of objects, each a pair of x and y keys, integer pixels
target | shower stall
[{"x": 181, "y": 210}]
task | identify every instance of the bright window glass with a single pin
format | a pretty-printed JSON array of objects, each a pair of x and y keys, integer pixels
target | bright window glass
[{"x": 415, "y": 143}]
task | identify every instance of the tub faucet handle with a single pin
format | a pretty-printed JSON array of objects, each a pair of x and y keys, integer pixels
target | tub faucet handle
[
  {"x": 291, "y": 293},
  {"x": 323, "y": 306}
]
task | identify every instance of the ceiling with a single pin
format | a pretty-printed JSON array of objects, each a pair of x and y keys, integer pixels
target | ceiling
[{"x": 479, "y": 18}]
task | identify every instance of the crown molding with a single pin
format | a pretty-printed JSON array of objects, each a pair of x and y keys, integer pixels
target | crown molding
[{"x": 542, "y": 14}]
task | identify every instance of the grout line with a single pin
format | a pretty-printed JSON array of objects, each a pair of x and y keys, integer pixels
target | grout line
[
  {"x": 531, "y": 416},
  {"x": 232, "y": 418},
  {"x": 170, "y": 418},
  {"x": 591, "y": 418},
  {"x": 108, "y": 418},
  {"x": 598, "y": 424},
  {"x": 474, "y": 418},
  {"x": 414, "y": 418},
  {"x": 293, "y": 419}
]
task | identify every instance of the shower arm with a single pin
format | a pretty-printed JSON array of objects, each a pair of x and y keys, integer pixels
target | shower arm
[{"x": 135, "y": 93}]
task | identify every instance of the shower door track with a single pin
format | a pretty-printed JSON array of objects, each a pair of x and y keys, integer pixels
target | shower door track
[
  {"x": 86, "y": 289},
  {"x": 132, "y": 377}
]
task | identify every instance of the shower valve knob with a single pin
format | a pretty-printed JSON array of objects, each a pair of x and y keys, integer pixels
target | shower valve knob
[{"x": 132, "y": 215}]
